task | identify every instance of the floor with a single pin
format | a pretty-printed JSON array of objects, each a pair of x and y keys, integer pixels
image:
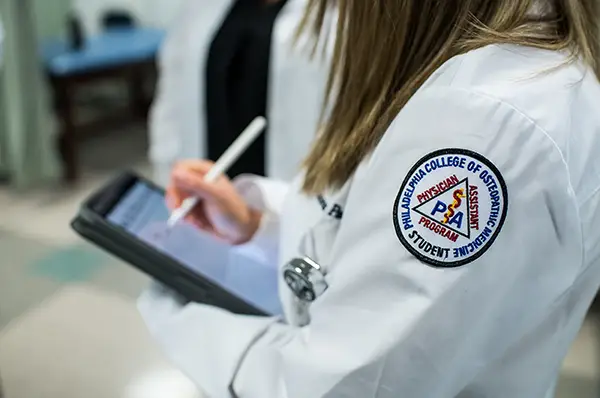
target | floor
[
  {"x": 68, "y": 323},
  {"x": 69, "y": 327}
]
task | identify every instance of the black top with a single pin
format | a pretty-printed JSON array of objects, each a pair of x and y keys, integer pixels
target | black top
[{"x": 237, "y": 75}]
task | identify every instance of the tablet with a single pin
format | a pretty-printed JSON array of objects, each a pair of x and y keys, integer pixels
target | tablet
[{"x": 128, "y": 218}]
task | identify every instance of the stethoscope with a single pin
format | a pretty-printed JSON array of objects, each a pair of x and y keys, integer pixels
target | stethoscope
[
  {"x": 303, "y": 275},
  {"x": 305, "y": 278}
]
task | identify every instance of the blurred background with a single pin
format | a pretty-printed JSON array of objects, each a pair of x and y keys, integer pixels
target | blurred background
[{"x": 91, "y": 87}]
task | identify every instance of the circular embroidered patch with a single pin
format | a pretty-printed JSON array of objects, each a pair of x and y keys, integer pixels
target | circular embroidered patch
[{"x": 451, "y": 207}]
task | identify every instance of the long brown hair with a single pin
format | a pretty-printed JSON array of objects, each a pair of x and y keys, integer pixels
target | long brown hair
[{"x": 385, "y": 50}]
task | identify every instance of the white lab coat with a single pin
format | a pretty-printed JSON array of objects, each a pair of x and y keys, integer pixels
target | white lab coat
[
  {"x": 391, "y": 324},
  {"x": 296, "y": 85}
]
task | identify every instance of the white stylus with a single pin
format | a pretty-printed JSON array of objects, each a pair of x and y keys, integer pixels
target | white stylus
[{"x": 227, "y": 159}]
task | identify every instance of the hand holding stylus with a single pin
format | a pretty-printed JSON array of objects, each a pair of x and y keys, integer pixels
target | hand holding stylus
[{"x": 201, "y": 193}]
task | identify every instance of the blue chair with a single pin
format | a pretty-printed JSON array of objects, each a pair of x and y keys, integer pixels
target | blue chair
[{"x": 126, "y": 54}]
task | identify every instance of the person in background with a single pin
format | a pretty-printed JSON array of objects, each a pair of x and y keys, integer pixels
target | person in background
[
  {"x": 442, "y": 239},
  {"x": 224, "y": 63}
]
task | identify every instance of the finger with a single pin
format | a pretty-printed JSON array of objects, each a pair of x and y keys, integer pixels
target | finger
[
  {"x": 194, "y": 166},
  {"x": 199, "y": 218},
  {"x": 199, "y": 214},
  {"x": 195, "y": 221},
  {"x": 179, "y": 190},
  {"x": 198, "y": 169},
  {"x": 202, "y": 224},
  {"x": 171, "y": 197},
  {"x": 221, "y": 237},
  {"x": 174, "y": 198},
  {"x": 196, "y": 185},
  {"x": 205, "y": 225}
]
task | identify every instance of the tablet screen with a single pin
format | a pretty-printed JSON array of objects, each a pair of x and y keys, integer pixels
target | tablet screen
[{"x": 142, "y": 212}]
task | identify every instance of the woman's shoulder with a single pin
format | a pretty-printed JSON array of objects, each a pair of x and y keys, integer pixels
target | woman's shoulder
[
  {"x": 515, "y": 74},
  {"x": 550, "y": 88},
  {"x": 557, "y": 92},
  {"x": 500, "y": 97},
  {"x": 541, "y": 84},
  {"x": 547, "y": 87}
]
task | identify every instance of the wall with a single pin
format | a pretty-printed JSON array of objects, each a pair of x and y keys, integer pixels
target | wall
[
  {"x": 50, "y": 17},
  {"x": 161, "y": 13},
  {"x": 155, "y": 13}
]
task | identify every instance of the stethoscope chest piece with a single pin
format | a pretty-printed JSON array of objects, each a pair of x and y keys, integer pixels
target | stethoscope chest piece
[{"x": 305, "y": 278}]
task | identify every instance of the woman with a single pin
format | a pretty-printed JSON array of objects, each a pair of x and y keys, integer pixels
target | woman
[
  {"x": 224, "y": 63},
  {"x": 452, "y": 198}
]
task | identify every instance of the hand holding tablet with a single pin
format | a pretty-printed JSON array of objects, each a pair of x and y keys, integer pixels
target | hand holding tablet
[{"x": 128, "y": 218}]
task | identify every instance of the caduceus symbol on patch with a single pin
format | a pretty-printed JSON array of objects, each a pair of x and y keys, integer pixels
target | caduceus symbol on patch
[{"x": 458, "y": 196}]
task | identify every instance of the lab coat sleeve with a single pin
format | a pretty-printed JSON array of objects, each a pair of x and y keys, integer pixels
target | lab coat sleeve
[
  {"x": 266, "y": 195},
  {"x": 390, "y": 325}
]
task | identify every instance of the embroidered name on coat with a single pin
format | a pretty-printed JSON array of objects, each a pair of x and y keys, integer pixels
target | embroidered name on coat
[{"x": 335, "y": 210}]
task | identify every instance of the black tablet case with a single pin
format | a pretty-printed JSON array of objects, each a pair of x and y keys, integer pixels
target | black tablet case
[{"x": 94, "y": 228}]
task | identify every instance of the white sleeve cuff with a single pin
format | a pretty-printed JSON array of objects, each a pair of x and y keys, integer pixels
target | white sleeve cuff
[
  {"x": 262, "y": 193},
  {"x": 161, "y": 173},
  {"x": 267, "y": 196}
]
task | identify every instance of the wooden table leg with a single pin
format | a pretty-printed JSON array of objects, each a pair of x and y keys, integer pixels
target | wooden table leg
[
  {"x": 137, "y": 97},
  {"x": 67, "y": 141}
]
